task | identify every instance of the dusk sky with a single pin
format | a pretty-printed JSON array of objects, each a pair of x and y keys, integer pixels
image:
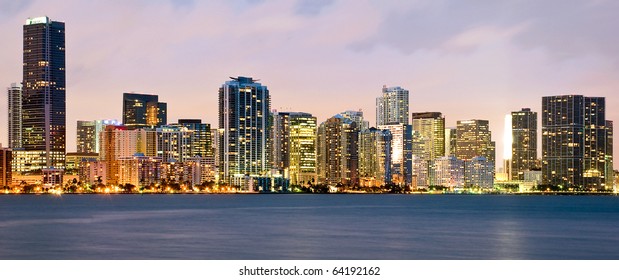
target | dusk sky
[{"x": 466, "y": 59}]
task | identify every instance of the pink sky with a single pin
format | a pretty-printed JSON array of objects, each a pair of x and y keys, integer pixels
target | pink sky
[{"x": 323, "y": 57}]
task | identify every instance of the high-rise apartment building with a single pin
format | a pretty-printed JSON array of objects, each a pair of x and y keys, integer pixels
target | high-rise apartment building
[
  {"x": 294, "y": 146},
  {"x": 86, "y": 137},
  {"x": 610, "y": 174},
  {"x": 201, "y": 142},
  {"x": 143, "y": 111},
  {"x": 44, "y": 93},
  {"x": 15, "y": 115},
  {"x": 473, "y": 139},
  {"x": 392, "y": 106},
  {"x": 244, "y": 109},
  {"x": 524, "y": 142},
  {"x": 337, "y": 151},
  {"x": 374, "y": 157},
  {"x": 431, "y": 128},
  {"x": 356, "y": 116},
  {"x": 575, "y": 145}
]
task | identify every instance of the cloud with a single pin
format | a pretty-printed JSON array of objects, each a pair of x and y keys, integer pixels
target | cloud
[{"x": 312, "y": 7}]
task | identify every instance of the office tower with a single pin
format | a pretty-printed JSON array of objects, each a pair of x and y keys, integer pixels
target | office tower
[
  {"x": 294, "y": 146},
  {"x": 473, "y": 138},
  {"x": 201, "y": 141},
  {"x": 143, "y": 111},
  {"x": 44, "y": 95},
  {"x": 356, "y": 116},
  {"x": 15, "y": 115},
  {"x": 447, "y": 171},
  {"x": 338, "y": 151},
  {"x": 392, "y": 106},
  {"x": 86, "y": 137},
  {"x": 374, "y": 157},
  {"x": 523, "y": 142},
  {"x": 431, "y": 127},
  {"x": 574, "y": 141},
  {"x": 244, "y": 109},
  {"x": 174, "y": 143},
  {"x": 479, "y": 172},
  {"x": 401, "y": 152},
  {"x": 450, "y": 141},
  {"x": 6, "y": 170},
  {"x": 117, "y": 142}
]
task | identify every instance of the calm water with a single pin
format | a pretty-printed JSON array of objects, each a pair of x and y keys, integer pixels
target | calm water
[{"x": 308, "y": 227}]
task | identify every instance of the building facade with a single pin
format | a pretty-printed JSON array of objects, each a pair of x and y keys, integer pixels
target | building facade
[
  {"x": 117, "y": 142},
  {"x": 392, "y": 106},
  {"x": 15, "y": 115},
  {"x": 44, "y": 93},
  {"x": 575, "y": 146},
  {"x": 244, "y": 108},
  {"x": 447, "y": 171}
]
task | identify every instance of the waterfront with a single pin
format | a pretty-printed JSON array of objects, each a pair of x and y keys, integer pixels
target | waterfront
[{"x": 307, "y": 226}]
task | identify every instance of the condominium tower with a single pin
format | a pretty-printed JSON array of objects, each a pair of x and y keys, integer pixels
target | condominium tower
[
  {"x": 244, "y": 108},
  {"x": 15, "y": 115}
]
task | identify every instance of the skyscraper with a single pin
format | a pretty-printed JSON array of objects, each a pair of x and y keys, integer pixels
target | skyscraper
[
  {"x": 337, "y": 151},
  {"x": 392, "y": 106},
  {"x": 294, "y": 145},
  {"x": 143, "y": 110},
  {"x": 524, "y": 142},
  {"x": 15, "y": 115},
  {"x": 44, "y": 93},
  {"x": 86, "y": 137},
  {"x": 575, "y": 141},
  {"x": 473, "y": 139},
  {"x": 450, "y": 141},
  {"x": 117, "y": 142},
  {"x": 356, "y": 116},
  {"x": 431, "y": 127},
  {"x": 244, "y": 108}
]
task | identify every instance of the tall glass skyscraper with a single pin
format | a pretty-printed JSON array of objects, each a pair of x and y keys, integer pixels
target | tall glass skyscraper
[
  {"x": 575, "y": 138},
  {"x": 244, "y": 108},
  {"x": 294, "y": 146},
  {"x": 143, "y": 111},
  {"x": 524, "y": 142},
  {"x": 15, "y": 115},
  {"x": 392, "y": 106},
  {"x": 337, "y": 151},
  {"x": 44, "y": 93}
]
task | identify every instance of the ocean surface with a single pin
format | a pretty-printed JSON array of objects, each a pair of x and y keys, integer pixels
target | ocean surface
[{"x": 308, "y": 227}]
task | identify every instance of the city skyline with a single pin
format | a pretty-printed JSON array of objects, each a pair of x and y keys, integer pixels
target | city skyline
[{"x": 504, "y": 60}]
